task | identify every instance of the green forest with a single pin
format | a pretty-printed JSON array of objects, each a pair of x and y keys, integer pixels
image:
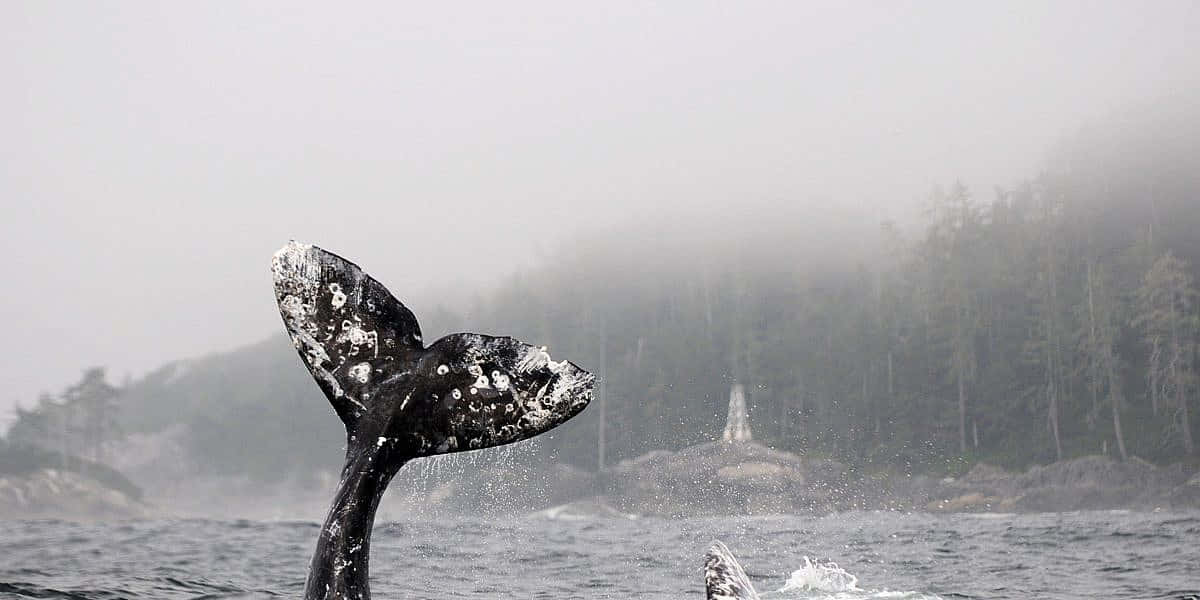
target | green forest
[
  {"x": 1047, "y": 320},
  {"x": 1054, "y": 318}
]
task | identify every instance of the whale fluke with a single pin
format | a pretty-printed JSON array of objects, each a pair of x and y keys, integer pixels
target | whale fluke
[
  {"x": 724, "y": 578},
  {"x": 400, "y": 400},
  {"x": 364, "y": 348}
]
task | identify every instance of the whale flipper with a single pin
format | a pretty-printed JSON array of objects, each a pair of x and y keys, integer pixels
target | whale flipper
[{"x": 724, "y": 578}]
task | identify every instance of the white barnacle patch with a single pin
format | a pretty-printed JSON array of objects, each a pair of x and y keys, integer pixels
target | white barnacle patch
[
  {"x": 475, "y": 370},
  {"x": 481, "y": 382},
  {"x": 380, "y": 442},
  {"x": 474, "y": 390},
  {"x": 536, "y": 419},
  {"x": 357, "y": 336},
  {"x": 295, "y": 265},
  {"x": 570, "y": 384},
  {"x": 533, "y": 359},
  {"x": 293, "y": 306},
  {"x": 361, "y": 372},
  {"x": 501, "y": 381},
  {"x": 443, "y": 369},
  {"x": 508, "y": 432},
  {"x": 339, "y": 297},
  {"x": 457, "y": 395}
]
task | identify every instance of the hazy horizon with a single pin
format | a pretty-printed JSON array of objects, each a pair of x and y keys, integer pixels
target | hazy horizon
[{"x": 156, "y": 155}]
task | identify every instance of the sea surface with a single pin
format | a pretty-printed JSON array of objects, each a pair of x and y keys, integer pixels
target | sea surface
[{"x": 559, "y": 555}]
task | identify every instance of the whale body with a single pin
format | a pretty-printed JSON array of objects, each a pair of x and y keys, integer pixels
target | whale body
[{"x": 724, "y": 578}]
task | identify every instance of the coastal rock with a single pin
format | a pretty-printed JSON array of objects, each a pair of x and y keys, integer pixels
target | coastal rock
[
  {"x": 53, "y": 493},
  {"x": 724, "y": 478},
  {"x": 1100, "y": 472},
  {"x": 1085, "y": 483}
]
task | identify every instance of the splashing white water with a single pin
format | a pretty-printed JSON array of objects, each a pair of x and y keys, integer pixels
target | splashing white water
[
  {"x": 820, "y": 576},
  {"x": 430, "y": 485},
  {"x": 825, "y": 579}
]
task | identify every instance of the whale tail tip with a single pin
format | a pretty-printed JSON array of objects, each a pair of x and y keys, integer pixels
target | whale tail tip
[
  {"x": 724, "y": 578},
  {"x": 398, "y": 397}
]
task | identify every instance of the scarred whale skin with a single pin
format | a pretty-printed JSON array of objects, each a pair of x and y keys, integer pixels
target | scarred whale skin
[
  {"x": 400, "y": 400},
  {"x": 724, "y": 578}
]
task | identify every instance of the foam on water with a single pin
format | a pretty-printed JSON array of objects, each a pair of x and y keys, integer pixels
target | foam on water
[
  {"x": 825, "y": 579},
  {"x": 821, "y": 576}
]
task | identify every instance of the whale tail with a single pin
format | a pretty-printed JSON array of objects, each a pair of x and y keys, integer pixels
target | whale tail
[
  {"x": 724, "y": 578},
  {"x": 399, "y": 398}
]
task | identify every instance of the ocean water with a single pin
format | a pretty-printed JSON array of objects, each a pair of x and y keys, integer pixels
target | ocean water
[{"x": 553, "y": 555}]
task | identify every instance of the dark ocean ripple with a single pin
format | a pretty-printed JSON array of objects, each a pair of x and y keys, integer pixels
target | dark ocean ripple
[{"x": 877, "y": 555}]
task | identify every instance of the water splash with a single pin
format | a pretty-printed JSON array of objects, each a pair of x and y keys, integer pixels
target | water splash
[
  {"x": 425, "y": 485},
  {"x": 825, "y": 579},
  {"x": 820, "y": 576}
]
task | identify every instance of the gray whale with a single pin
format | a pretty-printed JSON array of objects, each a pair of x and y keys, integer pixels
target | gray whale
[{"x": 401, "y": 400}]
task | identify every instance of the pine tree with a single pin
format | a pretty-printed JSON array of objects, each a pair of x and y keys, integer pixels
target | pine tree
[
  {"x": 1166, "y": 304},
  {"x": 1102, "y": 310}
]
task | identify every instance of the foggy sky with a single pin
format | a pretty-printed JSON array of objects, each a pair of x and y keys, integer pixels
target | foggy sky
[{"x": 154, "y": 155}]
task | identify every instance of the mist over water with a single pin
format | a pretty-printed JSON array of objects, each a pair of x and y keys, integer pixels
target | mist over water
[
  {"x": 944, "y": 254},
  {"x": 155, "y": 155}
]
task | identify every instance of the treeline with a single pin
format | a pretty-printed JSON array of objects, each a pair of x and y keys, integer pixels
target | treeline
[
  {"x": 71, "y": 431},
  {"x": 1052, "y": 319},
  {"x": 1055, "y": 318},
  {"x": 78, "y": 423}
]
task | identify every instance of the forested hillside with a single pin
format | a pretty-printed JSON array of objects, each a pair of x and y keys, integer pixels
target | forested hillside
[{"x": 1054, "y": 318}]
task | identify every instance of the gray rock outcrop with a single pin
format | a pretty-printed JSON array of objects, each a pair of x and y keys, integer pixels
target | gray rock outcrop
[
  {"x": 723, "y": 478},
  {"x": 53, "y": 493}
]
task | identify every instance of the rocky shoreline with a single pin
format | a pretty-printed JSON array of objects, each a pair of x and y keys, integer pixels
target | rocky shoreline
[
  {"x": 712, "y": 479},
  {"x": 746, "y": 478},
  {"x": 1085, "y": 483},
  {"x": 722, "y": 478},
  {"x": 61, "y": 494}
]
